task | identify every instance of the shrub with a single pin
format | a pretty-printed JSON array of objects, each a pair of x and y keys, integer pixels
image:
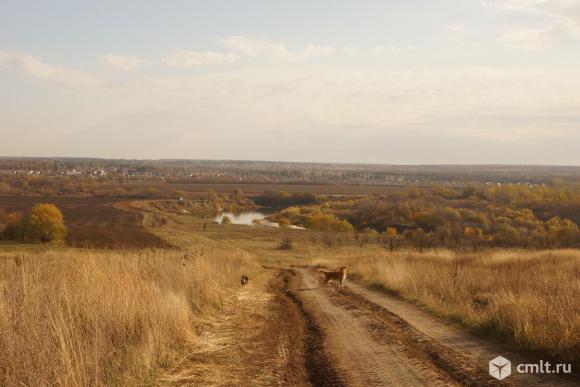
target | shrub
[
  {"x": 284, "y": 222},
  {"x": 327, "y": 222},
  {"x": 226, "y": 220},
  {"x": 418, "y": 239},
  {"x": 14, "y": 228}
]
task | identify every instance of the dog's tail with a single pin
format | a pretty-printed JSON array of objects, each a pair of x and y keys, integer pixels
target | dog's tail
[{"x": 322, "y": 270}]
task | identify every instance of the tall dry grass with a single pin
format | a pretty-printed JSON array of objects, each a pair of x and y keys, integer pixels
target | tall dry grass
[
  {"x": 80, "y": 318},
  {"x": 531, "y": 298}
]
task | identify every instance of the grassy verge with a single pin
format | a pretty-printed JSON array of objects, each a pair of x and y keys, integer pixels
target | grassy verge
[{"x": 531, "y": 298}]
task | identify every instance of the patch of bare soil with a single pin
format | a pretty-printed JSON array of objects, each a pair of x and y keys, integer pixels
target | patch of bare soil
[{"x": 258, "y": 343}]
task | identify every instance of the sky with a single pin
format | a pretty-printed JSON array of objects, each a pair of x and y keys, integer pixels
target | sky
[{"x": 396, "y": 82}]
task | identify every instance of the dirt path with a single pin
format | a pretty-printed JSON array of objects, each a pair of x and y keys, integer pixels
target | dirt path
[
  {"x": 372, "y": 339},
  {"x": 353, "y": 341},
  {"x": 258, "y": 342}
]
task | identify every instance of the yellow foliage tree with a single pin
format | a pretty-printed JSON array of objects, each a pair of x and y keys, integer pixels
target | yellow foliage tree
[
  {"x": 45, "y": 223},
  {"x": 391, "y": 239}
]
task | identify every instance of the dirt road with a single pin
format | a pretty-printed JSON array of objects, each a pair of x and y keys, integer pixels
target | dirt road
[
  {"x": 368, "y": 338},
  {"x": 287, "y": 329}
]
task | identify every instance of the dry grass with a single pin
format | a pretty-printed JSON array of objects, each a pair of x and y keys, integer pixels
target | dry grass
[
  {"x": 532, "y": 298},
  {"x": 81, "y": 317}
]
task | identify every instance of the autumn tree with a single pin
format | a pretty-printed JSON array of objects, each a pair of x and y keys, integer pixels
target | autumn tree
[
  {"x": 474, "y": 237},
  {"x": 418, "y": 238},
  {"x": 365, "y": 236},
  {"x": 44, "y": 223},
  {"x": 391, "y": 239}
]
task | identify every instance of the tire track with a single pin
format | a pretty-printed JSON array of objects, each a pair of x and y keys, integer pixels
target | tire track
[{"x": 361, "y": 356}]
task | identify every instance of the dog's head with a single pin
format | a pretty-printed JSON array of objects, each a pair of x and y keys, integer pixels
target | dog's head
[{"x": 343, "y": 269}]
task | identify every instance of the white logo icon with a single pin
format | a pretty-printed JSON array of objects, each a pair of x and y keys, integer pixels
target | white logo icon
[{"x": 500, "y": 368}]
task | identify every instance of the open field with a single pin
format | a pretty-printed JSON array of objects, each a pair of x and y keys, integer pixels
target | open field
[
  {"x": 491, "y": 300},
  {"x": 528, "y": 297},
  {"x": 86, "y": 317},
  {"x": 91, "y": 222},
  {"x": 179, "y": 316}
]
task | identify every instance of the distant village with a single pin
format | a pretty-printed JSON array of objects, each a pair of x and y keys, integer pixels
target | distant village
[{"x": 207, "y": 171}]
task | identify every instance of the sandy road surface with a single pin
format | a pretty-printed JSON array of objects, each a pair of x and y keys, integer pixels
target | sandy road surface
[
  {"x": 373, "y": 339},
  {"x": 361, "y": 355}
]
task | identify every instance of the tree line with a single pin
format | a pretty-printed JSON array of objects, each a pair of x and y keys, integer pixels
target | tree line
[
  {"x": 474, "y": 216},
  {"x": 43, "y": 223}
]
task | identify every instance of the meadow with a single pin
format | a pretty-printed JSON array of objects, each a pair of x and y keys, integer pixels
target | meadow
[
  {"x": 72, "y": 316},
  {"x": 525, "y": 297},
  {"x": 75, "y": 317}
]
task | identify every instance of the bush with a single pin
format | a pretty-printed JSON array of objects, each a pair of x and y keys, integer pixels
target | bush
[
  {"x": 418, "y": 239},
  {"x": 284, "y": 222},
  {"x": 226, "y": 220},
  {"x": 327, "y": 222},
  {"x": 14, "y": 228}
]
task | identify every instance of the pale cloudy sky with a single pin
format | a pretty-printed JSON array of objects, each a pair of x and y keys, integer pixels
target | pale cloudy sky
[{"x": 401, "y": 81}]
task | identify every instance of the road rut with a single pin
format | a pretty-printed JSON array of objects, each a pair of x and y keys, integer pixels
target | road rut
[
  {"x": 352, "y": 342},
  {"x": 374, "y": 339}
]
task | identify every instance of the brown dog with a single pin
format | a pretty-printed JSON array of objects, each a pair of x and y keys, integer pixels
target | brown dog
[{"x": 337, "y": 276}]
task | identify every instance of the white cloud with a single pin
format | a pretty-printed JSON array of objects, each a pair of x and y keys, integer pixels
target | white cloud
[
  {"x": 32, "y": 66},
  {"x": 120, "y": 62},
  {"x": 393, "y": 49},
  {"x": 539, "y": 104},
  {"x": 348, "y": 50},
  {"x": 257, "y": 47},
  {"x": 186, "y": 59},
  {"x": 378, "y": 49},
  {"x": 313, "y": 51},
  {"x": 301, "y": 105},
  {"x": 530, "y": 39},
  {"x": 455, "y": 28},
  {"x": 562, "y": 14}
]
